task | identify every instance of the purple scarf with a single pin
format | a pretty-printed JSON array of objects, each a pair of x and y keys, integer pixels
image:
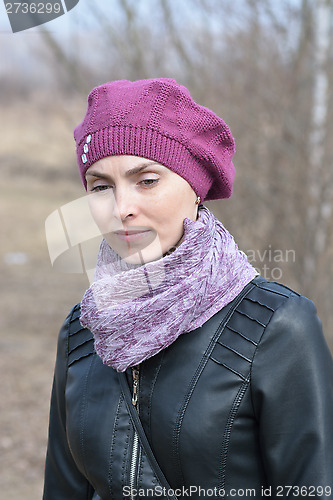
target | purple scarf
[{"x": 136, "y": 312}]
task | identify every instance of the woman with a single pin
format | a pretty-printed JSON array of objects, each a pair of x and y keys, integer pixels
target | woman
[{"x": 229, "y": 374}]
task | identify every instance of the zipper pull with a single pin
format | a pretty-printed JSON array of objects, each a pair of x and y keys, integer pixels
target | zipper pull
[{"x": 135, "y": 375}]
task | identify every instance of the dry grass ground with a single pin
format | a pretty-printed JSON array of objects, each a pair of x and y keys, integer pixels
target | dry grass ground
[
  {"x": 35, "y": 180},
  {"x": 34, "y": 301}
]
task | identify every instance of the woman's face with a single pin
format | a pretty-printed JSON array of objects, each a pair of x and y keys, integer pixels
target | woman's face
[{"x": 139, "y": 206}]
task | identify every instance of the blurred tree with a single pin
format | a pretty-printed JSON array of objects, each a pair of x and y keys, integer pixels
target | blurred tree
[
  {"x": 319, "y": 172},
  {"x": 317, "y": 274}
]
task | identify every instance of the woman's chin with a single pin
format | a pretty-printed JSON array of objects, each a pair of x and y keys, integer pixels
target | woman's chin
[
  {"x": 142, "y": 257},
  {"x": 139, "y": 255}
]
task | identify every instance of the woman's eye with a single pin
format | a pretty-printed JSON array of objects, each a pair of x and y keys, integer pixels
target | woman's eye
[
  {"x": 149, "y": 182},
  {"x": 99, "y": 188}
]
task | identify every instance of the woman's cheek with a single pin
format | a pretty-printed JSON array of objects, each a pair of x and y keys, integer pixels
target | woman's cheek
[{"x": 101, "y": 209}]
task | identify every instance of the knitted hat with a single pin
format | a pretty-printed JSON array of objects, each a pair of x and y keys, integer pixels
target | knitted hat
[{"x": 157, "y": 119}]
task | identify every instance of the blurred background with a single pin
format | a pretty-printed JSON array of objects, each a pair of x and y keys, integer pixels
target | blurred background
[{"x": 266, "y": 67}]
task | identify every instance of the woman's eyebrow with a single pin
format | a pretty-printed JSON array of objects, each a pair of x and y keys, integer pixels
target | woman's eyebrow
[
  {"x": 139, "y": 168},
  {"x": 96, "y": 173}
]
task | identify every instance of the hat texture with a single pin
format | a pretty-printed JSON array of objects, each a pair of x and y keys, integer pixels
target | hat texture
[{"x": 157, "y": 119}]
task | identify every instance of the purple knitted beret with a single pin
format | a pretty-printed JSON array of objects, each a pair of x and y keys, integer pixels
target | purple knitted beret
[{"x": 157, "y": 119}]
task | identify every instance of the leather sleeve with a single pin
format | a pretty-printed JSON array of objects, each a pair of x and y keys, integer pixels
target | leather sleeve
[
  {"x": 292, "y": 391},
  {"x": 63, "y": 480}
]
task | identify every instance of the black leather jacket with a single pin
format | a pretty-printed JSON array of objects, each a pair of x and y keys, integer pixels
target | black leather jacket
[{"x": 242, "y": 406}]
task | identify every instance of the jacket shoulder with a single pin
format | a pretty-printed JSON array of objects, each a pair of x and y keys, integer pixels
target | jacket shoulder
[
  {"x": 265, "y": 288},
  {"x": 264, "y": 303},
  {"x": 292, "y": 313},
  {"x": 79, "y": 340},
  {"x": 294, "y": 331},
  {"x": 296, "y": 308},
  {"x": 255, "y": 310}
]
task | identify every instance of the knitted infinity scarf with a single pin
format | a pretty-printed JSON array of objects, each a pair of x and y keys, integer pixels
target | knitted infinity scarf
[{"x": 135, "y": 312}]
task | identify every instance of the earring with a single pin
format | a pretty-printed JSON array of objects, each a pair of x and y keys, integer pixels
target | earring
[{"x": 198, "y": 200}]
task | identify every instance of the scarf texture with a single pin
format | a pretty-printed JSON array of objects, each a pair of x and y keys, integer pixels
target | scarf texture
[{"x": 136, "y": 312}]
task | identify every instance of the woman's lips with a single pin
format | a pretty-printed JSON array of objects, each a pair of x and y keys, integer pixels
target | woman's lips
[{"x": 132, "y": 235}]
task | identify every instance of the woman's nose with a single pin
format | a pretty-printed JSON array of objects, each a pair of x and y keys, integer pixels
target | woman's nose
[{"x": 124, "y": 204}]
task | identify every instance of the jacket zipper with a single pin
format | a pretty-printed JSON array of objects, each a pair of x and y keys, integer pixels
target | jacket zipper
[{"x": 135, "y": 449}]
